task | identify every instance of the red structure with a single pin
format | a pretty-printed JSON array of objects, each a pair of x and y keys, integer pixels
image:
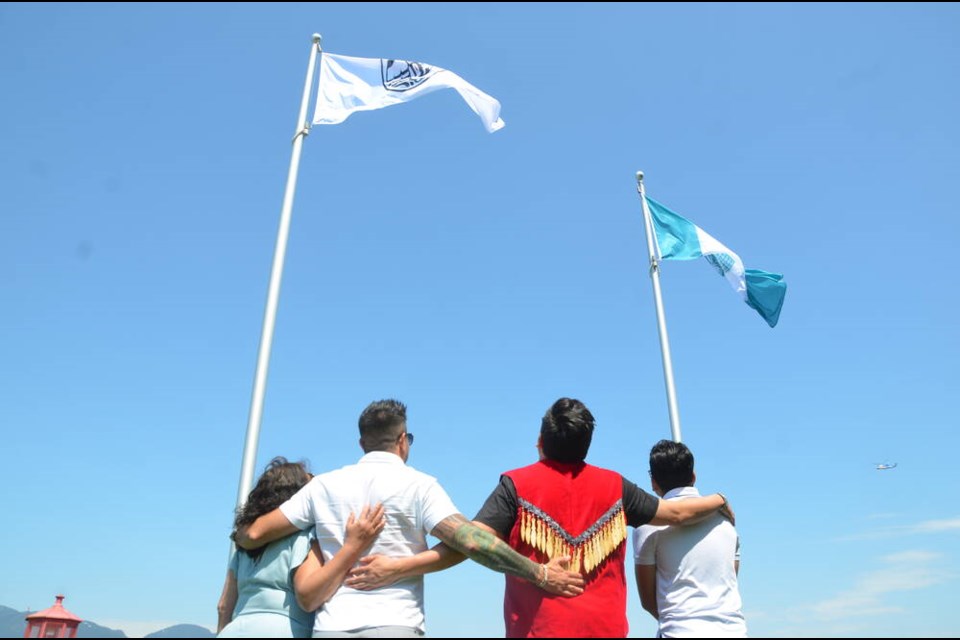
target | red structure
[{"x": 55, "y": 622}]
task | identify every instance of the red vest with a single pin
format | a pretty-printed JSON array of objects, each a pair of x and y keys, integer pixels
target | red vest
[{"x": 575, "y": 510}]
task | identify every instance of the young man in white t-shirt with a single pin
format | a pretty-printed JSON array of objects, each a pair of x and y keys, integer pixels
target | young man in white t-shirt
[{"x": 687, "y": 576}]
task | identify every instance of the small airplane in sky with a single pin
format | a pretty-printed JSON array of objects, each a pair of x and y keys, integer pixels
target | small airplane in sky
[{"x": 884, "y": 466}]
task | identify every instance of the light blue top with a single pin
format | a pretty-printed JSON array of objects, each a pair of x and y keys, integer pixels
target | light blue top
[{"x": 265, "y": 585}]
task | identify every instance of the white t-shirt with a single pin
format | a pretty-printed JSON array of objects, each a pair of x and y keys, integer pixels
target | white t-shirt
[
  {"x": 414, "y": 503},
  {"x": 697, "y": 592}
]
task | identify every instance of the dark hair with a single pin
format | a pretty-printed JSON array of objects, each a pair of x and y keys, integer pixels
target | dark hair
[
  {"x": 671, "y": 465},
  {"x": 381, "y": 423},
  {"x": 566, "y": 431},
  {"x": 280, "y": 480}
]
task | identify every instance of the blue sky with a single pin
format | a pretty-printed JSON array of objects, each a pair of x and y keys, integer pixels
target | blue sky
[{"x": 479, "y": 277}]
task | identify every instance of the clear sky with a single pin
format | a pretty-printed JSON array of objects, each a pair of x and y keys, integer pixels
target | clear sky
[{"x": 479, "y": 277}]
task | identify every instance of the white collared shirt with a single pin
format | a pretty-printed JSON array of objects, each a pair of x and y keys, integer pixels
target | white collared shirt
[
  {"x": 697, "y": 591},
  {"x": 414, "y": 504}
]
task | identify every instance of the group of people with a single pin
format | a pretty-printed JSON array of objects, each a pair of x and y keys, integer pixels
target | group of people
[{"x": 343, "y": 554}]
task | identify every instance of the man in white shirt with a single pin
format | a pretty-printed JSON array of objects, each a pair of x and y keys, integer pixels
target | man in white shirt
[
  {"x": 414, "y": 504},
  {"x": 687, "y": 576}
]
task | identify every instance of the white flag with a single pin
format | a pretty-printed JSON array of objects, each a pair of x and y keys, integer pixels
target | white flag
[{"x": 350, "y": 84}]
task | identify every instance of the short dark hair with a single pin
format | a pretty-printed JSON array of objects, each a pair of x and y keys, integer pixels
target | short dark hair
[
  {"x": 381, "y": 423},
  {"x": 566, "y": 431},
  {"x": 671, "y": 465},
  {"x": 279, "y": 482}
]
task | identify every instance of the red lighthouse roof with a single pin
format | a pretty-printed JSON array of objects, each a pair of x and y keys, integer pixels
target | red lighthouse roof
[{"x": 56, "y": 612}]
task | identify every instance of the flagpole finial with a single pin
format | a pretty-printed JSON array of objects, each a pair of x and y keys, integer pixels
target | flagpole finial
[
  {"x": 316, "y": 38},
  {"x": 639, "y": 177}
]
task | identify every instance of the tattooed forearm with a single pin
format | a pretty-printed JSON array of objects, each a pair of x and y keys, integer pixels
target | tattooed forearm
[{"x": 484, "y": 547}]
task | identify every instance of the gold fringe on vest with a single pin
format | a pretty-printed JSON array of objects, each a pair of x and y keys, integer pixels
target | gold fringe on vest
[{"x": 587, "y": 551}]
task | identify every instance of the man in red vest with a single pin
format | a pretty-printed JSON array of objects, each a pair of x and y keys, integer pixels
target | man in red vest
[{"x": 560, "y": 506}]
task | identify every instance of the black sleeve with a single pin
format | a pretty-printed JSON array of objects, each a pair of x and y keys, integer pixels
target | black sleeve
[
  {"x": 638, "y": 505},
  {"x": 499, "y": 512}
]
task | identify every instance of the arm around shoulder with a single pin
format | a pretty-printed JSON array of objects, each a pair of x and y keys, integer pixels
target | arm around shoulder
[
  {"x": 264, "y": 530},
  {"x": 691, "y": 510}
]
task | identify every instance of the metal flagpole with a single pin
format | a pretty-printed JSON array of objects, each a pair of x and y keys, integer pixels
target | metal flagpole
[
  {"x": 661, "y": 321},
  {"x": 273, "y": 295}
]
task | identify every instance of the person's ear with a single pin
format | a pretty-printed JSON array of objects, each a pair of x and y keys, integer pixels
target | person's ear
[{"x": 655, "y": 487}]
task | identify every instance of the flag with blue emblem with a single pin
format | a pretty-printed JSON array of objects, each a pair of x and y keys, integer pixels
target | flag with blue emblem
[
  {"x": 348, "y": 84},
  {"x": 679, "y": 239}
]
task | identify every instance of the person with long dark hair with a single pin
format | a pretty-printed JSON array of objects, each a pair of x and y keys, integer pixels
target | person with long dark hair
[{"x": 259, "y": 598}]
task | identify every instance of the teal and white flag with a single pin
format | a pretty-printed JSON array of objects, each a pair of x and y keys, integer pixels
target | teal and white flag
[{"x": 679, "y": 239}]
